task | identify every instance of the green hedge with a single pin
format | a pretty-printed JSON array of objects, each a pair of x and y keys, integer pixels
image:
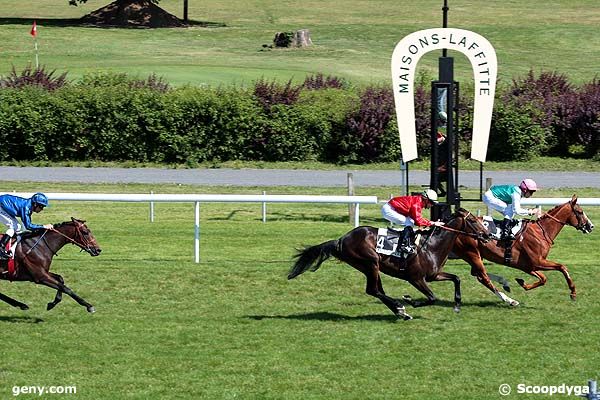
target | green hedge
[{"x": 190, "y": 125}]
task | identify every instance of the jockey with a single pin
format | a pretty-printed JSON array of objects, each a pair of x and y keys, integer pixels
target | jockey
[
  {"x": 507, "y": 200},
  {"x": 12, "y": 207},
  {"x": 406, "y": 211}
]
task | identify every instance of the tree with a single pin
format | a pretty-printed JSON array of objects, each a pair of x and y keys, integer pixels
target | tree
[{"x": 143, "y": 13}]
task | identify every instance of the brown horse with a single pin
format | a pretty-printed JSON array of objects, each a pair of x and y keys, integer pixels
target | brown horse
[
  {"x": 33, "y": 256},
  {"x": 357, "y": 248},
  {"x": 529, "y": 249}
]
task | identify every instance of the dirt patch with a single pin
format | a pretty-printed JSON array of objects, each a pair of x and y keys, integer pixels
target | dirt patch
[{"x": 133, "y": 14}]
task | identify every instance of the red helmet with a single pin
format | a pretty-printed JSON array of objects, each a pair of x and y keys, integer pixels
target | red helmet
[{"x": 528, "y": 184}]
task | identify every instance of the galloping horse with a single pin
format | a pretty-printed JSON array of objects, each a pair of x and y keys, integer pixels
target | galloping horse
[
  {"x": 357, "y": 248},
  {"x": 529, "y": 250},
  {"x": 33, "y": 256}
]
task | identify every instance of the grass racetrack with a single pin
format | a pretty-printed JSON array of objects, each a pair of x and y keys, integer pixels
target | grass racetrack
[
  {"x": 353, "y": 39},
  {"x": 233, "y": 326}
]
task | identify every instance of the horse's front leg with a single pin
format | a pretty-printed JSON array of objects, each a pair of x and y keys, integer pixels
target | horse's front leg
[
  {"x": 548, "y": 265},
  {"x": 58, "y": 297},
  {"x": 55, "y": 283},
  {"x": 540, "y": 282},
  {"x": 445, "y": 276},
  {"x": 13, "y": 302},
  {"x": 422, "y": 287},
  {"x": 479, "y": 271}
]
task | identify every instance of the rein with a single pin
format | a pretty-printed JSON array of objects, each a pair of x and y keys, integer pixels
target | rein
[
  {"x": 73, "y": 241},
  {"x": 477, "y": 236},
  {"x": 552, "y": 217}
]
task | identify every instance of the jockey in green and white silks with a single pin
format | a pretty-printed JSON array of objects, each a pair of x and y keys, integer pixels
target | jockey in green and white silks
[
  {"x": 13, "y": 207},
  {"x": 506, "y": 199}
]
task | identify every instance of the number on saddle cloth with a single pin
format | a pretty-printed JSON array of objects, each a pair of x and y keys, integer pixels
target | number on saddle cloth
[{"x": 389, "y": 239}]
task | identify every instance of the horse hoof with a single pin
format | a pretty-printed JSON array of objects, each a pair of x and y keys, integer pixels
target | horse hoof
[
  {"x": 91, "y": 309},
  {"x": 574, "y": 297},
  {"x": 50, "y": 306},
  {"x": 406, "y": 297},
  {"x": 520, "y": 281},
  {"x": 456, "y": 309},
  {"x": 24, "y": 307},
  {"x": 513, "y": 303},
  {"x": 401, "y": 313}
]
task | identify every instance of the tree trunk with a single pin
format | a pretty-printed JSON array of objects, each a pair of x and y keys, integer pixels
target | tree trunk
[{"x": 301, "y": 38}]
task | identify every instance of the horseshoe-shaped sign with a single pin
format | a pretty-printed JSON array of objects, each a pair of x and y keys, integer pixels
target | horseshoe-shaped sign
[{"x": 482, "y": 56}]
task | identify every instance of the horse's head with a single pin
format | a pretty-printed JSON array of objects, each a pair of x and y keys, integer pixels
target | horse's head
[
  {"x": 577, "y": 218},
  {"x": 79, "y": 234},
  {"x": 469, "y": 224}
]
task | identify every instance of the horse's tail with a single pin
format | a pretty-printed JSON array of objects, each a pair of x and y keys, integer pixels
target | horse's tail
[{"x": 312, "y": 257}]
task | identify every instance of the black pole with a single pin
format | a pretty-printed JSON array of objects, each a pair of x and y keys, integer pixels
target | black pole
[{"x": 445, "y": 23}]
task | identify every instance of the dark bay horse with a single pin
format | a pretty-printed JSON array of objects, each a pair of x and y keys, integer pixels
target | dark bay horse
[
  {"x": 33, "y": 256},
  {"x": 529, "y": 249},
  {"x": 357, "y": 248}
]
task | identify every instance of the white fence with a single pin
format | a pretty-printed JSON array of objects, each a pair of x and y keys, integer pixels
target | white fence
[
  {"x": 210, "y": 198},
  {"x": 554, "y": 201}
]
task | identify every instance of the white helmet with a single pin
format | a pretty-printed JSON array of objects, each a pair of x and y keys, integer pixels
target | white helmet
[{"x": 430, "y": 195}]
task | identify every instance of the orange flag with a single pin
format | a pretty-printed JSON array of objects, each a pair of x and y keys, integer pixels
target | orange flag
[{"x": 33, "y": 31}]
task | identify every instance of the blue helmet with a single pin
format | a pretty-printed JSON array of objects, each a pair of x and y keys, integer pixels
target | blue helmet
[{"x": 40, "y": 198}]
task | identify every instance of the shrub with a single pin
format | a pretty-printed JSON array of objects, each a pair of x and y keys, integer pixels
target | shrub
[
  {"x": 273, "y": 93},
  {"x": 513, "y": 134},
  {"x": 362, "y": 140},
  {"x": 319, "y": 82},
  {"x": 34, "y": 77}
]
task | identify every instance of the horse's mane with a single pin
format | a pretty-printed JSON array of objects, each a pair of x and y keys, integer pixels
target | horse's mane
[{"x": 38, "y": 232}]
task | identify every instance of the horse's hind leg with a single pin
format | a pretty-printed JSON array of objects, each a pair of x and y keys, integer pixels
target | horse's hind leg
[
  {"x": 13, "y": 302},
  {"x": 375, "y": 289}
]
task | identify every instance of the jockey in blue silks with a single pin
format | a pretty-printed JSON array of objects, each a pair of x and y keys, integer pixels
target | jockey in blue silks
[{"x": 12, "y": 207}]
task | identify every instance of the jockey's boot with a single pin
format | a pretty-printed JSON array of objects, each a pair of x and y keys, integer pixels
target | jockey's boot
[
  {"x": 406, "y": 245},
  {"x": 505, "y": 232},
  {"x": 4, "y": 255}
]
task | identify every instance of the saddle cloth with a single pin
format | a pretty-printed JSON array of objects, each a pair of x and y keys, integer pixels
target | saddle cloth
[
  {"x": 492, "y": 226},
  {"x": 387, "y": 240},
  {"x": 11, "y": 247}
]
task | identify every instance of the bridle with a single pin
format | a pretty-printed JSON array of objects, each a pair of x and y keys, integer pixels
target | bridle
[
  {"x": 579, "y": 215},
  {"x": 80, "y": 240}
]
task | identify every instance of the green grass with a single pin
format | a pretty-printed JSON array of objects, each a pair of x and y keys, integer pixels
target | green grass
[
  {"x": 352, "y": 39},
  {"x": 234, "y": 327}
]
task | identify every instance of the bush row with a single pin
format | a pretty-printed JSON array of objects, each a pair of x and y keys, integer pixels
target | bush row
[{"x": 278, "y": 122}]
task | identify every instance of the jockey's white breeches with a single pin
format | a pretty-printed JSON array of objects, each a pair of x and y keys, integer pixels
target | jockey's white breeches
[
  {"x": 395, "y": 217},
  {"x": 11, "y": 223},
  {"x": 507, "y": 210}
]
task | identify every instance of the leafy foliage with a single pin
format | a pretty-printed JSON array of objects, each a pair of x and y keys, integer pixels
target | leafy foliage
[
  {"x": 318, "y": 82},
  {"x": 34, "y": 77},
  {"x": 113, "y": 117},
  {"x": 271, "y": 93}
]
